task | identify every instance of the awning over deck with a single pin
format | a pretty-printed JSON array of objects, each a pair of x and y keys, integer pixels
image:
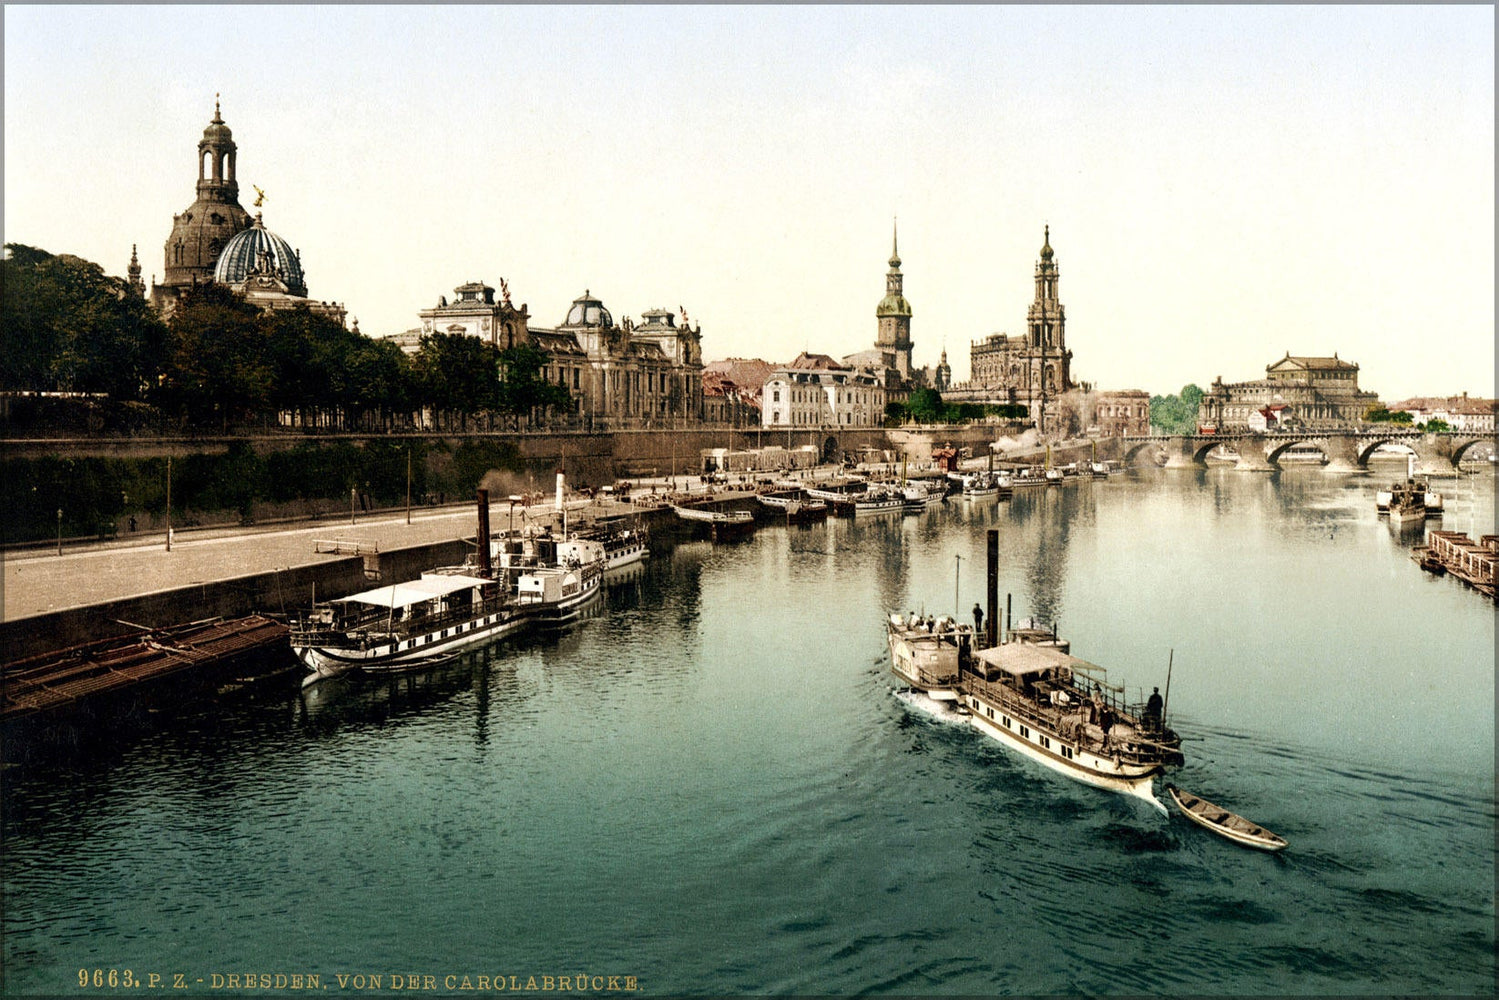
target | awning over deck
[
  {"x": 1022, "y": 658},
  {"x": 415, "y": 591}
]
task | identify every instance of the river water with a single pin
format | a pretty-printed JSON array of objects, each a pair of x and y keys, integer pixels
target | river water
[{"x": 711, "y": 785}]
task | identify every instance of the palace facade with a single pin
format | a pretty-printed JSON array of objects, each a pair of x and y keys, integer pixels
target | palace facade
[{"x": 1310, "y": 391}]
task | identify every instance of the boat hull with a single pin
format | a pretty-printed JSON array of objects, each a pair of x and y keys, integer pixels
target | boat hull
[
  {"x": 1084, "y": 766},
  {"x": 332, "y": 659}
]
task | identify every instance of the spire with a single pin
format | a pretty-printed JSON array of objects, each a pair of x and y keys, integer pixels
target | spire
[
  {"x": 216, "y": 117},
  {"x": 1046, "y": 251},
  {"x": 894, "y": 243}
]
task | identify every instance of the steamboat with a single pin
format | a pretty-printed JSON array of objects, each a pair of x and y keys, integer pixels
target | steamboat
[{"x": 519, "y": 579}]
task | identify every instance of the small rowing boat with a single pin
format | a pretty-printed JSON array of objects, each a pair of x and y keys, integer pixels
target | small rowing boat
[{"x": 1224, "y": 823}]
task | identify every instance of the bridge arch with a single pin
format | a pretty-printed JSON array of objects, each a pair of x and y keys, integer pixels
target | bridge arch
[
  {"x": 1367, "y": 448},
  {"x": 1283, "y": 445},
  {"x": 1132, "y": 451},
  {"x": 830, "y": 452},
  {"x": 1461, "y": 448}
]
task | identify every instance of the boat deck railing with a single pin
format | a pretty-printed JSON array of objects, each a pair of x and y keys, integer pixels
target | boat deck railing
[
  {"x": 318, "y": 628},
  {"x": 1133, "y": 742}
]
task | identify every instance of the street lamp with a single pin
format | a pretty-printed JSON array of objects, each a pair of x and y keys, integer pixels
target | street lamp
[
  {"x": 353, "y": 498},
  {"x": 59, "y": 531}
]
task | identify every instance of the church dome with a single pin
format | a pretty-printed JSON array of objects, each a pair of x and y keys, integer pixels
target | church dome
[
  {"x": 257, "y": 250},
  {"x": 588, "y": 311},
  {"x": 893, "y": 304},
  {"x": 217, "y": 131}
]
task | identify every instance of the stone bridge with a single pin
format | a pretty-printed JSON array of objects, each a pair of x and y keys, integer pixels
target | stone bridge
[{"x": 1437, "y": 454}]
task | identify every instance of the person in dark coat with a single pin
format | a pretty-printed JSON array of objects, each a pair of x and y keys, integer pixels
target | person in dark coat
[{"x": 1153, "y": 709}]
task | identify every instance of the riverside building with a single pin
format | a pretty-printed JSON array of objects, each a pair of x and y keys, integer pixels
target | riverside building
[{"x": 1310, "y": 391}]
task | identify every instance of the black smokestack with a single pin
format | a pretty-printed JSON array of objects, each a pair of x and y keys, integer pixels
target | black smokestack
[
  {"x": 484, "y": 568},
  {"x": 993, "y": 610}
]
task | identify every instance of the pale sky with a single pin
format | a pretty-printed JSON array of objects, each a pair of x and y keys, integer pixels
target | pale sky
[{"x": 1223, "y": 184}]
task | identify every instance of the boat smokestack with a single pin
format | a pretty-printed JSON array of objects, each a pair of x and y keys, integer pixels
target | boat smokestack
[
  {"x": 561, "y": 487},
  {"x": 993, "y": 609},
  {"x": 483, "y": 539}
]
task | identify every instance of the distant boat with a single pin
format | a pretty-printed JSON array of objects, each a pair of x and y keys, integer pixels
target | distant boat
[
  {"x": 1224, "y": 823},
  {"x": 720, "y": 523}
]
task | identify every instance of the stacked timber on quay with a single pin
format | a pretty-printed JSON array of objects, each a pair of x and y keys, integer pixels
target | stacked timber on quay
[{"x": 1473, "y": 563}]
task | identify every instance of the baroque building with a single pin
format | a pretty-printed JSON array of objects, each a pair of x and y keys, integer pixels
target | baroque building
[
  {"x": 1309, "y": 391},
  {"x": 619, "y": 374},
  {"x": 816, "y": 391},
  {"x": 216, "y": 240},
  {"x": 215, "y": 217},
  {"x": 1027, "y": 370}
]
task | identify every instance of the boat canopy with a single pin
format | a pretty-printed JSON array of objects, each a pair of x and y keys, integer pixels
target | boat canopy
[
  {"x": 1021, "y": 659},
  {"x": 415, "y": 591}
]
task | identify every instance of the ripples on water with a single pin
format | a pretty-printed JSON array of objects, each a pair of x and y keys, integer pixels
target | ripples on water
[{"x": 711, "y": 785}]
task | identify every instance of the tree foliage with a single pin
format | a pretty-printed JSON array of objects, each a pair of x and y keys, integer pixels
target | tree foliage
[
  {"x": 1176, "y": 414},
  {"x": 1380, "y": 415},
  {"x": 926, "y": 406},
  {"x": 69, "y": 327},
  {"x": 220, "y": 362}
]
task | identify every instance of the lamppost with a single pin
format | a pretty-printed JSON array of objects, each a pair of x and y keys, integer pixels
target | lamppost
[
  {"x": 353, "y": 498},
  {"x": 169, "y": 503},
  {"x": 59, "y": 531}
]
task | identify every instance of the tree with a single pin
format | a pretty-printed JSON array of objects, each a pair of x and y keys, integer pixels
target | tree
[
  {"x": 1379, "y": 415},
  {"x": 523, "y": 386},
  {"x": 1176, "y": 414},
  {"x": 925, "y": 406},
  {"x": 69, "y": 327},
  {"x": 219, "y": 366}
]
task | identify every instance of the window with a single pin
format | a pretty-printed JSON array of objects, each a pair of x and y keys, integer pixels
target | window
[{"x": 1025, "y": 732}]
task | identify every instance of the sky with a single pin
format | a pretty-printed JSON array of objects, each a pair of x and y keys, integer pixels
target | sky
[{"x": 1223, "y": 184}]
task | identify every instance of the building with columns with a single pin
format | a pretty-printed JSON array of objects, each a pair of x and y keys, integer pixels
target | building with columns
[
  {"x": 1314, "y": 391},
  {"x": 200, "y": 232},
  {"x": 619, "y": 374},
  {"x": 215, "y": 240},
  {"x": 1032, "y": 369}
]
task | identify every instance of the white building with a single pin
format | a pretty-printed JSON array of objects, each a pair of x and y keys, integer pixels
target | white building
[
  {"x": 816, "y": 391},
  {"x": 1460, "y": 412}
]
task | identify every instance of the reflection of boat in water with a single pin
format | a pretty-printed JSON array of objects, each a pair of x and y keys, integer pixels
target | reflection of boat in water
[{"x": 1224, "y": 823}]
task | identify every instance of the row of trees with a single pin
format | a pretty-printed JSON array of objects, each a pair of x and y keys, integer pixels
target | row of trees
[
  {"x": 220, "y": 362},
  {"x": 926, "y": 406},
  {"x": 1176, "y": 414}
]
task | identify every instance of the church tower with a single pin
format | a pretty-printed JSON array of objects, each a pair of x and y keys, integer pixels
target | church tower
[
  {"x": 1046, "y": 339},
  {"x": 137, "y": 287},
  {"x": 200, "y": 233},
  {"x": 894, "y": 313}
]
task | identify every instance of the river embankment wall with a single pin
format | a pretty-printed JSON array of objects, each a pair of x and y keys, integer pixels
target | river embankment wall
[{"x": 274, "y": 591}]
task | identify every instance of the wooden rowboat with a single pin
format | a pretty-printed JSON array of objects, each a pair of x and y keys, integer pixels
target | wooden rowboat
[{"x": 1224, "y": 823}]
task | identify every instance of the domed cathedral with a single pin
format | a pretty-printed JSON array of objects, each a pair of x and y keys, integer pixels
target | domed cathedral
[
  {"x": 1032, "y": 369},
  {"x": 216, "y": 240},
  {"x": 200, "y": 233}
]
